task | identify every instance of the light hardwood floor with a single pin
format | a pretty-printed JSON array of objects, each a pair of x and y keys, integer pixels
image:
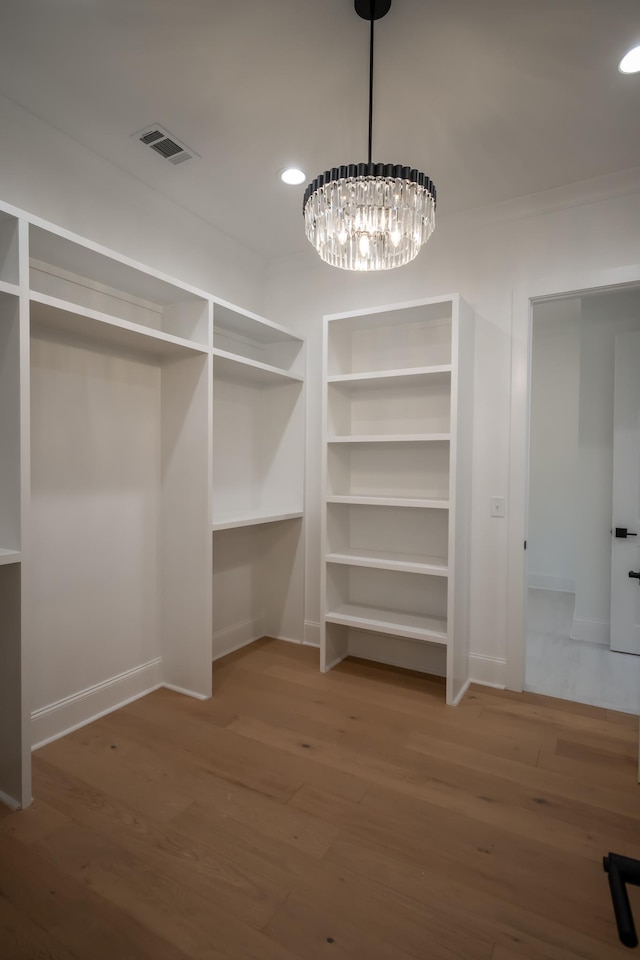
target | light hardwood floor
[{"x": 299, "y": 816}]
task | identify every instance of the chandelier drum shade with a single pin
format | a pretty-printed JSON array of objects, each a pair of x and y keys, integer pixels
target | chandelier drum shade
[{"x": 369, "y": 216}]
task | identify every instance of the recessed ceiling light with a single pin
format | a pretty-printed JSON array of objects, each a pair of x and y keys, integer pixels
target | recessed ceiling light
[
  {"x": 630, "y": 63},
  {"x": 293, "y": 176}
]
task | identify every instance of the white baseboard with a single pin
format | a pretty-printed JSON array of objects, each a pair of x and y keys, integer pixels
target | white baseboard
[
  {"x": 235, "y": 637},
  {"x": 462, "y": 693},
  {"x": 540, "y": 581},
  {"x": 591, "y": 631},
  {"x": 312, "y": 633},
  {"x": 488, "y": 671},
  {"x": 11, "y": 802},
  {"x": 183, "y": 690},
  {"x": 334, "y": 663},
  {"x": 57, "y": 719}
]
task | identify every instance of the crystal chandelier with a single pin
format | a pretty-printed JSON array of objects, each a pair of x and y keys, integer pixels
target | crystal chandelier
[{"x": 369, "y": 216}]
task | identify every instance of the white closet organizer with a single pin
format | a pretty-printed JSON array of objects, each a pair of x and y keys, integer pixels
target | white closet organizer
[
  {"x": 14, "y": 745},
  {"x": 397, "y": 472},
  {"x": 116, "y": 382},
  {"x": 117, "y": 580},
  {"x": 258, "y": 480}
]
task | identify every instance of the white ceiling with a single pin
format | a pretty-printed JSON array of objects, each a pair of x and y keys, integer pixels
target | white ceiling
[{"x": 492, "y": 98}]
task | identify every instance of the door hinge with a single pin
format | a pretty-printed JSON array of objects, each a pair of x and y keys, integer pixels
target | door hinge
[{"x": 525, "y": 544}]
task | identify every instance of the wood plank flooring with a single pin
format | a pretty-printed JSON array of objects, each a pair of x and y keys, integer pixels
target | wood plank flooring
[{"x": 299, "y": 816}]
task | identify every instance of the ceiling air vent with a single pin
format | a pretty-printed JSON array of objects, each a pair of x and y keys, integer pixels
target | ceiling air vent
[{"x": 165, "y": 144}]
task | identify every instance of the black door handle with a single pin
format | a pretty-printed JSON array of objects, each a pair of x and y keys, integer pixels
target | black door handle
[
  {"x": 634, "y": 574},
  {"x": 622, "y": 533},
  {"x": 622, "y": 870}
]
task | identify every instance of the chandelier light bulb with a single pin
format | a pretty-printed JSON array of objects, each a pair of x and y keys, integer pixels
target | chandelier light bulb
[{"x": 363, "y": 245}]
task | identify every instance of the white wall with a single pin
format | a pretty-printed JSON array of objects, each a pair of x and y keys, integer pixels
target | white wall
[
  {"x": 553, "y": 458},
  {"x": 45, "y": 173},
  {"x": 485, "y": 255}
]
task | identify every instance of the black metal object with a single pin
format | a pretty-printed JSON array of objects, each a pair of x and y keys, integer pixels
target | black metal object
[
  {"x": 371, "y": 23},
  {"x": 395, "y": 170},
  {"x": 634, "y": 574},
  {"x": 622, "y": 870},
  {"x": 380, "y": 8},
  {"x": 622, "y": 533},
  {"x": 370, "y": 10}
]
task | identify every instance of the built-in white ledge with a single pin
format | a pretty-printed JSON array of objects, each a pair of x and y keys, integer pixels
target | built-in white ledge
[
  {"x": 12, "y": 288},
  {"x": 431, "y": 503},
  {"x": 253, "y": 520},
  {"x": 234, "y": 321},
  {"x": 393, "y": 438},
  {"x": 396, "y": 623},
  {"x": 389, "y": 377},
  {"x": 9, "y": 556},
  {"x": 61, "y": 316},
  {"x": 403, "y": 562},
  {"x": 235, "y": 367}
]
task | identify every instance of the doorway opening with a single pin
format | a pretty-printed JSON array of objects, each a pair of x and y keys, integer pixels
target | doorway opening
[{"x": 578, "y": 617}]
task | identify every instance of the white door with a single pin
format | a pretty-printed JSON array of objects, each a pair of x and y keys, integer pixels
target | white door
[{"x": 625, "y": 549}]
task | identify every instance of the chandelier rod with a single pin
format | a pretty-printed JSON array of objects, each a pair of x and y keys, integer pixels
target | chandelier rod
[{"x": 372, "y": 20}]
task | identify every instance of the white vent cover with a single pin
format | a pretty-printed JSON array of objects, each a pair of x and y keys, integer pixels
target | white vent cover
[{"x": 165, "y": 144}]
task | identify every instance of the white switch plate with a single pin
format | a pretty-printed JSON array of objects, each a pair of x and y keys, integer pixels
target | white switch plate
[{"x": 497, "y": 507}]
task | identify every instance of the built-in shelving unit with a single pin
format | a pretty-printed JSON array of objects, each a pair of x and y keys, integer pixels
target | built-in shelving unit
[
  {"x": 50, "y": 316},
  {"x": 258, "y": 480},
  {"x": 241, "y": 368},
  {"x": 248, "y": 521},
  {"x": 10, "y": 556},
  {"x": 9, "y": 251},
  {"x": 15, "y": 781},
  {"x": 397, "y": 438},
  {"x": 397, "y": 456},
  {"x": 119, "y": 466},
  {"x": 10, "y": 288},
  {"x": 79, "y": 273},
  {"x": 387, "y": 560},
  {"x": 392, "y": 502},
  {"x": 140, "y": 420}
]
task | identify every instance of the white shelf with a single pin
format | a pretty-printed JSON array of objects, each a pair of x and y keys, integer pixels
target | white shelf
[
  {"x": 84, "y": 324},
  {"x": 240, "y": 368},
  {"x": 419, "y": 502},
  {"x": 9, "y": 556},
  {"x": 251, "y": 521},
  {"x": 64, "y": 254},
  {"x": 393, "y": 438},
  {"x": 246, "y": 324},
  {"x": 12, "y": 288},
  {"x": 403, "y": 562},
  {"x": 411, "y": 311},
  {"x": 398, "y": 624},
  {"x": 390, "y": 377}
]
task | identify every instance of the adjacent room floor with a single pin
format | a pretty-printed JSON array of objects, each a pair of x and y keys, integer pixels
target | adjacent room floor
[
  {"x": 298, "y": 816},
  {"x": 570, "y": 669}
]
